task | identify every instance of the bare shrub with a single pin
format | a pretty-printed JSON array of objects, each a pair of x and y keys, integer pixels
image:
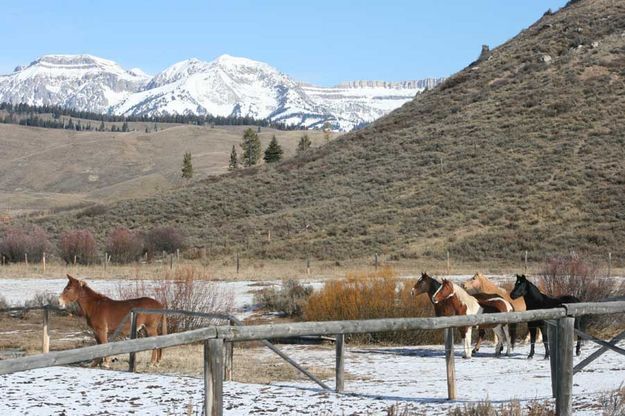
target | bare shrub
[
  {"x": 287, "y": 299},
  {"x": 187, "y": 289},
  {"x": 572, "y": 275},
  {"x": 4, "y": 304},
  {"x": 32, "y": 241},
  {"x": 167, "y": 239},
  {"x": 92, "y": 211},
  {"x": 372, "y": 295},
  {"x": 512, "y": 408},
  {"x": 613, "y": 404},
  {"x": 79, "y": 245},
  {"x": 124, "y": 246}
]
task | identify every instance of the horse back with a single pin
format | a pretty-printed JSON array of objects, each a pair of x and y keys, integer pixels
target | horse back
[
  {"x": 493, "y": 303},
  {"x": 114, "y": 311}
]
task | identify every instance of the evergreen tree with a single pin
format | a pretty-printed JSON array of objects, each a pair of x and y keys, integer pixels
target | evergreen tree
[
  {"x": 273, "y": 153},
  {"x": 234, "y": 160},
  {"x": 125, "y": 128},
  {"x": 70, "y": 124},
  {"x": 251, "y": 148},
  {"x": 102, "y": 127},
  {"x": 303, "y": 145},
  {"x": 147, "y": 130},
  {"x": 187, "y": 167}
]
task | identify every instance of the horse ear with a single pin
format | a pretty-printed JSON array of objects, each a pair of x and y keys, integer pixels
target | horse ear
[
  {"x": 70, "y": 277},
  {"x": 82, "y": 283}
]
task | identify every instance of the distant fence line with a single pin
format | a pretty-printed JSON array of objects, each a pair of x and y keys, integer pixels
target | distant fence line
[{"x": 214, "y": 338}]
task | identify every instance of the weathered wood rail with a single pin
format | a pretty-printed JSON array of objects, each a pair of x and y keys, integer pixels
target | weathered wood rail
[
  {"x": 45, "y": 311},
  {"x": 215, "y": 337}
]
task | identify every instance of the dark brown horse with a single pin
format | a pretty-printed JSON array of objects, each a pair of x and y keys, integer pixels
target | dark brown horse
[{"x": 105, "y": 314}]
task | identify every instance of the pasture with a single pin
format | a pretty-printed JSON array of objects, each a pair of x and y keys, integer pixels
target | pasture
[{"x": 411, "y": 378}]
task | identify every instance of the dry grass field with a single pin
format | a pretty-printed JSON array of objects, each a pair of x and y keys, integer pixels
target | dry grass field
[{"x": 42, "y": 169}]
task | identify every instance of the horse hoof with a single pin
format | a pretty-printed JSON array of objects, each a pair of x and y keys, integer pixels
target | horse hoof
[
  {"x": 578, "y": 353},
  {"x": 474, "y": 351},
  {"x": 530, "y": 357}
]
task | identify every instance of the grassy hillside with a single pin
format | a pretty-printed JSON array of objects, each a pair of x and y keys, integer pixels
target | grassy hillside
[
  {"x": 522, "y": 151},
  {"x": 54, "y": 168}
]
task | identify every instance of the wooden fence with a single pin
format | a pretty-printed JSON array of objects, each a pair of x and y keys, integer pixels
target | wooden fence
[{"x": 215, "y": 337}]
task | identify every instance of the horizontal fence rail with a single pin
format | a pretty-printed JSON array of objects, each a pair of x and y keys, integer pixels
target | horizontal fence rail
[{"x": 258, "y": 332}]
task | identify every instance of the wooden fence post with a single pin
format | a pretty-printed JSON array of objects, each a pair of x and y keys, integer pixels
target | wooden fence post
[
  {"x": 525, "y": 268},
  {"x": 340, "y": 363},
  {"x": 564, "y": 397},
  {"x": 26, "y": 258},
  {"x": 229, "y": 359},
  {"x": 238, "y": 263},
  {"x": 448, "y": 268},
  {"x": 609, "y": 264},
  {"x": 308, "y": 266},
  {"x": 177, "y": 254},
  {"x": 43, "y": 261},
  {"x": 375, "y": 261},
  {"x": 449, "y": 361},
  {"x": 213, "y": 377},
  {"x": 45, "y": 341},
  {"x": 132, "y": 359}
]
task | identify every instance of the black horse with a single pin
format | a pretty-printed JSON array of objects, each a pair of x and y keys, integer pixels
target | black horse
[{"x": 534, "y": 299}]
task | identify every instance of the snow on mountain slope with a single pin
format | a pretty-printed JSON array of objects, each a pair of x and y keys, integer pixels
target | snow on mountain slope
[
  {"x": 82, "y": 82},
  {"x": 227, "y": 86}
]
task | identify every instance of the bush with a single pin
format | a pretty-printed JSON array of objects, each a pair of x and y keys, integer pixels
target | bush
[
  {"x": 166, "y": 239},
  {"x": 124, "y": 246},
  {"x": 288, "y": 299},
  {"x": 572, "y": 275},
  {"x": 187, "y": 289},
  {"x": 613, "y": 404},
  {"x": 78, "y": 244},
  {"x": 3, "y": 303},
  {"x": 371, "y": 296},
  {"x": 16, "y": 242},
  {"x": 513, "y": 408}
]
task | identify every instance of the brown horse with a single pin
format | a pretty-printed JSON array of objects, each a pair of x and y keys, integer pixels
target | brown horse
[
  {"x": 105, "y": 314},
  {"x": 429, "y": 285},
  {"x": 482, "y": 284},
  {"x": 464, "y": 304}
]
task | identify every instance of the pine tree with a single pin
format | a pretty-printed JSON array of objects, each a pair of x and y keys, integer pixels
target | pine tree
[
  {"x": 234, "y": 160},
  {"x": 187, "y": 167},
  {"x": 102, "y": 127},
  {"x": 303, "y": 145},
  {"x": 125, "y": 128},
  {"x": 251, "y": 148},
  {"x": 273, "y": 153}
]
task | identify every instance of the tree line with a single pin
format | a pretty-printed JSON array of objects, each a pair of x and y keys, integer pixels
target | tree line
[{"x": 30, "y": 115}]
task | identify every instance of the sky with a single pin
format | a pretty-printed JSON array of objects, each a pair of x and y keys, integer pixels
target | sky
[{"x": 323, "y": 42}]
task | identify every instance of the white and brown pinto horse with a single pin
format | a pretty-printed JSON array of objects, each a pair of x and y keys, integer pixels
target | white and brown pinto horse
[
  {"x": 482, "y": 284},
  {"x": 465, "y": 304},
  {"x": 105, "y": 314}
]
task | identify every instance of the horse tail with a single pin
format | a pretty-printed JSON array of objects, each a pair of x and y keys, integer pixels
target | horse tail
[{"x": 512, "y": 330}]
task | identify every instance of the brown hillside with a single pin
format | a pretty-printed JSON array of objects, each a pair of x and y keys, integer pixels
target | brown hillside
[{"x": 523, "y": 151}]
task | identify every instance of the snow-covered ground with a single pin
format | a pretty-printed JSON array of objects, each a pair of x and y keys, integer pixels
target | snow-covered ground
[{"x": 377, "y": 378}]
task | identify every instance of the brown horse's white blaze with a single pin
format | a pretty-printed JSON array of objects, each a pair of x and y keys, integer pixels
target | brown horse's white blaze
[
  {"x": 105, "y": 314},
  {"x": 465, "y": 304}
]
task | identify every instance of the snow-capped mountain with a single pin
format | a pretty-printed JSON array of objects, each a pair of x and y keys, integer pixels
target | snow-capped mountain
[
  {"x": 227, "y": 86},
  {"x": 83, "y": 82}
]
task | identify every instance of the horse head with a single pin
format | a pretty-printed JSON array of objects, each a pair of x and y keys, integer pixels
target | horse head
[
  {"x": 521, "y": 287},
  {"x": 422, "y": 285},
  {"x": 444, "y": 292},
  {"x": 72, "y": 291},
  {"x": 474, "y": 284}
]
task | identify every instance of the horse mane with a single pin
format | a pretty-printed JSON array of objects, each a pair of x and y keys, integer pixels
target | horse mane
[
  {"x": 92, "y": 293},
  {"x": 464, "y": 296}
]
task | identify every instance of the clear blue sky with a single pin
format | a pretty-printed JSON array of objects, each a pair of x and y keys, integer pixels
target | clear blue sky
[{"x": 318, "y": 41}]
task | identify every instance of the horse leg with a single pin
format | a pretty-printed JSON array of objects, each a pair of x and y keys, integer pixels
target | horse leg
[
  {"x": 100, "y": 338},
  {"x": 505, "y": 329},
  {"x": 500, "y": 337},
  {"x": 152, "y": 331},
  {"x": 532, "y": 341},
  {"x": 578, "y": 326},
  {"x": 467, "y": 342},
  {"x": 481, "y": 334},
  {"x": 544, "y": 330}
]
